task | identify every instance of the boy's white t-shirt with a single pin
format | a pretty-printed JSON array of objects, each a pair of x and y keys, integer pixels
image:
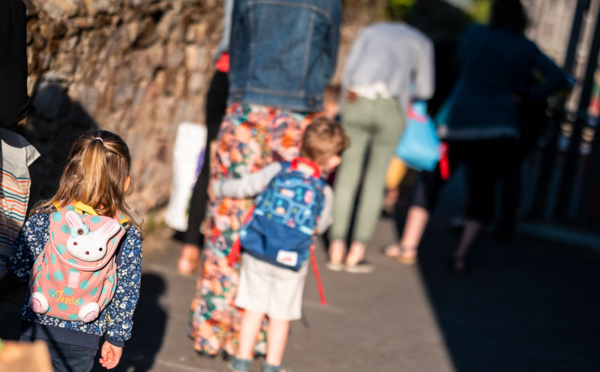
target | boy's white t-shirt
[{"x": 17, "y": 156}]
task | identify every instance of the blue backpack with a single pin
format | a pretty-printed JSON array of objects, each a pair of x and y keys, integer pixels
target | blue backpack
[{"x": 283, "y": 224}]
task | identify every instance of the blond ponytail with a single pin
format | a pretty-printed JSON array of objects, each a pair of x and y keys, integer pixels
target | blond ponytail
[
  {"x": 96, "y": 174},
  {"x": 93, "y": 168}
]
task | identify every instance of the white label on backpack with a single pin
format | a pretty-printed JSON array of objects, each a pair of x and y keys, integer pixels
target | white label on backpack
[{"x": 287, "y": 258}]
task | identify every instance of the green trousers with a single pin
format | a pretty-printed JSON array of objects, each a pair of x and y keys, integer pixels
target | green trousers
[{"x": 374, "y": 126}]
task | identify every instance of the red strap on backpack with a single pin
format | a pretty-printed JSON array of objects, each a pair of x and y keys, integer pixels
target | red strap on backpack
[
  {"x": 313, "y": 261},
  {"x": 310, "y": 163},
  {"x": 236, "y": 248}
]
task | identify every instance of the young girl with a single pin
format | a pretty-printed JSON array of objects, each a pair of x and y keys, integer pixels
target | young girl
[{"x": 96, "y": 175}]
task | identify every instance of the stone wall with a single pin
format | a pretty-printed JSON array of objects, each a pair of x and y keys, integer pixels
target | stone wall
[{"x": 135, "y": 67}]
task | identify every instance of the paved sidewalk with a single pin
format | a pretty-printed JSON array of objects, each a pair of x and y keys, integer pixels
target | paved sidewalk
[
  {"x": 373, "y": 322},
  {"x": 526, "y": 306},
  {"x": 530, "y": 305}
]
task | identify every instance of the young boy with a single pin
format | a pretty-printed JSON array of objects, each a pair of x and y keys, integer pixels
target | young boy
[{"x": 267, "y": 288}]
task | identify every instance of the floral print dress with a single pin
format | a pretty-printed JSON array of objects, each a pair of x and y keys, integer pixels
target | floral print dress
[{"x": 250, "y": 138}]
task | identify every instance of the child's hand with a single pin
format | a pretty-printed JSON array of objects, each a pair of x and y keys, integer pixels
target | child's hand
[{"x": 111, "y": 355}]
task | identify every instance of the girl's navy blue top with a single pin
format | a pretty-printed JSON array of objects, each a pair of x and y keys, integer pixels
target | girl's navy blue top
[{"x": 115, "y": 321}]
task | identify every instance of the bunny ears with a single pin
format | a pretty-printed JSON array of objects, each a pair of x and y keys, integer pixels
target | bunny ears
[{"x": 78, "y": 227}]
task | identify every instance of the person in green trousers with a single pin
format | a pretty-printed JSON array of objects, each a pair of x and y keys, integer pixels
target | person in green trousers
[{"x": 389, "y": 65}]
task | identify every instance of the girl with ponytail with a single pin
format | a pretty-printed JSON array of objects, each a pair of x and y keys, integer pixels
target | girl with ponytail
[{"x": 94, "y": 183}]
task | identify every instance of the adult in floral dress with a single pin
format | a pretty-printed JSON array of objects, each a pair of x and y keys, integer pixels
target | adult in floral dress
[{"x": 278, "y": 72}]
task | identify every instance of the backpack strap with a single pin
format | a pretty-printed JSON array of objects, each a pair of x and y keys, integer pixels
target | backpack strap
[
  {"x": 84, "y": 208},
  {"x": 80, "y": 207},
  {"x": 236, "y": 248},
  {"x": 313, "y": 262},
  {"x": 310, "y": 163}
]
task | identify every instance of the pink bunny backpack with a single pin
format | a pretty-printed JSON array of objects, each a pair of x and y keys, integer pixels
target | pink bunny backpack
[{"x": 74, "y": 278}]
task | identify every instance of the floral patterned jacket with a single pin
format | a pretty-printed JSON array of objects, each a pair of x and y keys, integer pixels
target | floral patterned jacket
[{"x": 115, "y": 322}]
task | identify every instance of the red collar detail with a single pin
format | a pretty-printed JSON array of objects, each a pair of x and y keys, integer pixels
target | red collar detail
[{"x": 310, "y": 163}]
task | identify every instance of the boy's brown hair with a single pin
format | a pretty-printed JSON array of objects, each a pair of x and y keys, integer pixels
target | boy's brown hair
[{"x": 323, "y": 139}]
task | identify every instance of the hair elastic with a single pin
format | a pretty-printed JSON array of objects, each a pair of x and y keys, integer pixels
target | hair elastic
[{"x": 98, "y": 138}]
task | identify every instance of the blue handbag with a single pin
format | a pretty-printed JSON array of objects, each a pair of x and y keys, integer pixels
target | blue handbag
[{"x": 420, "y": 146}]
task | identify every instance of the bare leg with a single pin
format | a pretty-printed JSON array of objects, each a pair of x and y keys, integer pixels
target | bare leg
[
  {"x": 414, "y": 228},
  {"x": 337, "y": 250},
  {"x": 276, "y": 340},
  {"x": 250, "y": 326},
  {"x": 189, "y": 261},
  {"x": 356, "y": 254},
  {"x": 469, "y": 234}
]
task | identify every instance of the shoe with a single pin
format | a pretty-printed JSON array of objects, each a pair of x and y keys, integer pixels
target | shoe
[
  {"x": 335, "y": 266},
  {"x": 271, "y": 368},
  {"x": 239, "y": 365},
  {"x": 407, "y": 259},
  {"x": 362, "y": 267}
]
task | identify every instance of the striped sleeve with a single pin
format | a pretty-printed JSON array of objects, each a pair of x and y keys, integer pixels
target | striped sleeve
[{"x": 14, "y": 198}]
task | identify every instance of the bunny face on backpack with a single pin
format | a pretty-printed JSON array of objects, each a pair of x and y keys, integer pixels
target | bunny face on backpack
[
  {"x": 86, "y": 245},
  {"x": 74, "y": 278}
]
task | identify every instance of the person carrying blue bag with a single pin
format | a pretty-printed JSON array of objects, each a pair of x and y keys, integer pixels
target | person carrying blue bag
[
  {"x": 483, "y": 128},
  {"x": 293, "y": 206}
]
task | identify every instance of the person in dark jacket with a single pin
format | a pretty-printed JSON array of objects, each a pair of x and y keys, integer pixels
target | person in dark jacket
[
  {"x": 216, "y": 104},
  {"x": 497, "y": 63}
]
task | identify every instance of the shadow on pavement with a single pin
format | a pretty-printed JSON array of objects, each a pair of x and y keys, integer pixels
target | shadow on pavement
[
  {"x": 149, "y": 323},
  {"x": 524, "y": 305}
]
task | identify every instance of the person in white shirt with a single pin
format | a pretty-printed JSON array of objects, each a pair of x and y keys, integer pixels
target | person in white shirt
[{"x": 389, "y": 65}]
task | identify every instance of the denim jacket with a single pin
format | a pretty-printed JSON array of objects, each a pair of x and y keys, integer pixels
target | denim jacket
[{"x": 283, "y": 52}]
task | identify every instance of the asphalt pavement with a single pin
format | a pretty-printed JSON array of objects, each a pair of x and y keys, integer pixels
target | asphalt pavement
[{"x": 526, "y": 305}]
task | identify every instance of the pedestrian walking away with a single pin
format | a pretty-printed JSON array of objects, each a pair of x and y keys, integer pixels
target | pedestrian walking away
[
  {"x": 389, "y": 65},
  {"x": 496, "y": 67},
  {"x": 278, "y": 72},
  {"x": 216, "y": 104}
]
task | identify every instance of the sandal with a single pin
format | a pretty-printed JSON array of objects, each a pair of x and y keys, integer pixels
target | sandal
[
  {"x": 407, "y": 259},
  {"x": 271, "y": 368},
  {"x": 335, "y": 266},
  {"x": 361, "y": 267},
  {"x": 188, "y": 263},
  {"x": 239, "y": 365}
]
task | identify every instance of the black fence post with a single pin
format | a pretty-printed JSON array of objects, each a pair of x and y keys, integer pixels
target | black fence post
[
  {"x": 543, "y": 200},
  {"x": 582, "y": 6},
  {"x": 574, "y": 160}
]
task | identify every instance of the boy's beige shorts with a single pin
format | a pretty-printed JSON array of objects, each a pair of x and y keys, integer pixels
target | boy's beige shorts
[{"x": 269, "y": 289}]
